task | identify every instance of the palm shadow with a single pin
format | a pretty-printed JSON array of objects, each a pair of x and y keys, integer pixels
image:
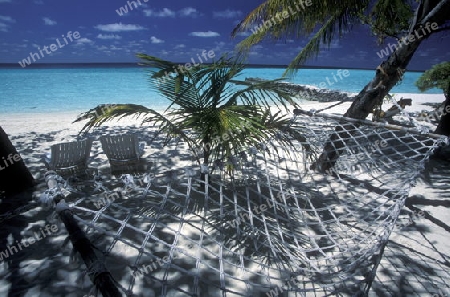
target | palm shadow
[
  {"x": 414, "y": 252},
  {"x": 175, "y": 219}
]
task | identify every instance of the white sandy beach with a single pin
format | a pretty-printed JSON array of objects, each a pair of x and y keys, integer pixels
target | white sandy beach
[
  {"x": 422, "y": 250},
  {"x": 16, "y": 123}
]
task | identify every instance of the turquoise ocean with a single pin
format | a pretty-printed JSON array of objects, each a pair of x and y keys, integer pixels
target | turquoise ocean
[{"x": 79, "y": 88}]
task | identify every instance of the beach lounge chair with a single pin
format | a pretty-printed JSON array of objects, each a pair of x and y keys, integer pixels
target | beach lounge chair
[
  {"x": 124, "y": 153},
  {"x": 69, "y": 158}
]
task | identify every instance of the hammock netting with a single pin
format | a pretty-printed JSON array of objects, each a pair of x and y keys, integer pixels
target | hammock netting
[{"x": 275, "y": 227}]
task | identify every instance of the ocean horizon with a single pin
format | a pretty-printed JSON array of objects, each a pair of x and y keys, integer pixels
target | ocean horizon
[
  {"x": 80, "y": 87},
  {"x": 136, "y": 65}
]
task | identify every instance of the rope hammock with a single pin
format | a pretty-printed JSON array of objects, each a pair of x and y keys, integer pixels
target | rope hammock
[{"x": 273, "y": 228}]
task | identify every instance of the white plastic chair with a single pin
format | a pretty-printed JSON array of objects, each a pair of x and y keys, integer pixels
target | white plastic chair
[
  {"x": 124, "y": 153},
  {"x": 69, "y": 158}
]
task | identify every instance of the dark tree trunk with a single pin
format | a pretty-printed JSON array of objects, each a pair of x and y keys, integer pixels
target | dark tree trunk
[
  {"x": 443, "y": 152},
  {"x": 444, "y": 123},
  {"x": 97, "y": 272},
  {"x": 14, "y": 174},
  {"x": 388, "y": 74},
  {"x": 103, "y": 278}
]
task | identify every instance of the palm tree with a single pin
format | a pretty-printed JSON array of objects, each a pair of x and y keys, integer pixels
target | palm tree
[
  {"x": 326, "y": 20},
  {"x": 215, "y": 114},
  {"x": 438, "y": 77},
  {"x": 329, "y": 20}
]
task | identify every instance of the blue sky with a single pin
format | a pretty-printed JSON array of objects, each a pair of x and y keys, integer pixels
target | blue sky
[{"x": 174, "y": 30}]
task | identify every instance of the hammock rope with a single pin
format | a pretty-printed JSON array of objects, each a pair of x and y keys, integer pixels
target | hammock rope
[{"x": 275, "y": 227}]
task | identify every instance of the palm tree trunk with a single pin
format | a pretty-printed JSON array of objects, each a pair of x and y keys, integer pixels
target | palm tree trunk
[
  {"x": 444, "y": 129},
  {"x": 444, "y": 123},
  {"x": 102, "y": 279},
  {"x": 14, "y": 174},
  {"x": 388, "y": 74},
  {"x": 98, "y": 274}
]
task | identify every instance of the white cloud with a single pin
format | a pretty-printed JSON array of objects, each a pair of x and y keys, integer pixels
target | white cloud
[
  {"x": 7, "y": 19},
  {"x": 3, "y": 27},
  {"x": 49, "y": 22},
  {"x": 180, "y": 46},
  {"x": 227, "y": 14},
  {"x": 163, "y": 13},
  {"x": 115, "y": 48},
  {"x": 156, "y": 40},
  {"x": 255, "y": 54},
  {"x": 204, "y": 34},
  {"x": 166, "y": 12},
  {"x": 5, "y": 1},
  {"x": 189, "y": 12},
  {"x": 83, "y": 41},
  {"x": 108, "y": 36},
  {"x": 119, "y": 27},
  {"x": 38, "y": 2}
]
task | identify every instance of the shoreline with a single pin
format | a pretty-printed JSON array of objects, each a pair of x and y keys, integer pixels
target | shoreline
[{"x": 45, "y": 122}]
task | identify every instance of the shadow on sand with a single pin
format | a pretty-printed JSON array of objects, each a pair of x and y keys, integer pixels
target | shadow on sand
[{"x": 416, "y": 261}]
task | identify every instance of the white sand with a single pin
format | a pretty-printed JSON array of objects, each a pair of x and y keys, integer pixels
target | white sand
[
  {"x": 419, "y": 102},
  {"x": 17, "y": 123},
  {"x": 61, "y": 128}
]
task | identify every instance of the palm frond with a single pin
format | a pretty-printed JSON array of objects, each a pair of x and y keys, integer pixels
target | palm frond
[
  {"x": 324, "y": 36},
  {"x": 266, "y": 93},
  {"x": 300, "y": 21},
  {"x": 389, "y": 18},
  {"x": 271, "y": 129},
  {"x": 327, "y": 19},
  {"x": 108, "y": 112}
]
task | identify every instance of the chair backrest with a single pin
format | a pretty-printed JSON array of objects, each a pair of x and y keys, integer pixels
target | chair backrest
[
  {"x": 71, "y": 154},
  {"x": 121, "y": 147}
]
